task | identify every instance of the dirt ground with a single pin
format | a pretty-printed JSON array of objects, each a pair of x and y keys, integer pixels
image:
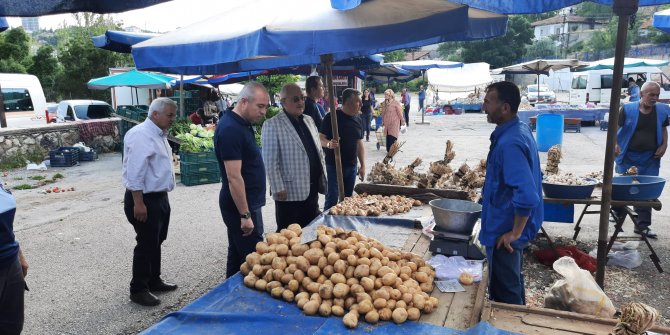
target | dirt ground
[{"x": 79, "y": 243}]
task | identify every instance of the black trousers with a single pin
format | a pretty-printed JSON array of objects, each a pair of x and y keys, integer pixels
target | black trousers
[
  {"x": 300, "y": 212},
  {"x": 389, "y": 142},
  {"x": 149, "y": 236},
  {"x": 406, "y": 112},
  {"x": 240, "y": 246},
  {"x": 11, "y": 298}
]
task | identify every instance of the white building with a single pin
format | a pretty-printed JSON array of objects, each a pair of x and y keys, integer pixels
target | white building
[
  {"x": 30, "y": 24},
  {"x": 572, "y": 28}
]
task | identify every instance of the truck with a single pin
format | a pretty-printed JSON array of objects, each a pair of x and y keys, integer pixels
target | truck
[
  {"x": 23, "y": 95},
  {"x": 595, "y": 86}
]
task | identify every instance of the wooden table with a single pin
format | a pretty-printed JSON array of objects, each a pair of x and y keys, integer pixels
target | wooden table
[{"x": 458, "y": 310}]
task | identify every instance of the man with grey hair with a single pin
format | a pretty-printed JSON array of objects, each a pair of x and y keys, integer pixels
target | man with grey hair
[
  {"x": 642, "y": 140},
  {"x": 148, "y": 175},
  {"x": 242, "y": 174},
  {"x": 294, "y": 161}
]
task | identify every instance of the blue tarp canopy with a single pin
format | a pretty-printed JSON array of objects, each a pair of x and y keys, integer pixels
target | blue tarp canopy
[
  {"x": 4, "y": 25},
  {"x": 46, "y": 7},
  {"x": 120, "y": 41},
  {"x": 425, "y": 64},
  {"x": 277, "y": 37},
  {"x": 132, "y": 78},
  {"x": 387, "y": 72},
  {"x": 537, "y": 6},
  {"x": 662, "y": 20}
]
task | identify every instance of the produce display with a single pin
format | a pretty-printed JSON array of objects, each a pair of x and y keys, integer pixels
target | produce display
[
  {"x": 440, "y": 174},
  {"x": 342, "y": 273},
  {"x": 373, "y": 205},
  {"x": 553, "y": 159},
  {"x": 568, "y": 179},
  {"x": 197, "y": 139},
  {"x": 552, "y": 175}
]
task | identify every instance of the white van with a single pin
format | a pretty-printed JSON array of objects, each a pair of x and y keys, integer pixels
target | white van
[
  {"x": 23, "y": 95},
  {"x": 596, "y": 85}
]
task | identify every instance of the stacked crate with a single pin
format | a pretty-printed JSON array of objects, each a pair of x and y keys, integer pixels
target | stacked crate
[
  {"x": 64, "y": 157},
  {"x": 198, "y": 168}
]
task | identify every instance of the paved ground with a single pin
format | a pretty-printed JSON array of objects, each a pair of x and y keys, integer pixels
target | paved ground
[{"x": 79, "y": 244}]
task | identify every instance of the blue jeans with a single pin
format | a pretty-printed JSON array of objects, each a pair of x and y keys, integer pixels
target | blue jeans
[
  {"x": 367, "y": 119},
  {"x": 349, "y": 178},
  {"x": 506, "y": 275}
]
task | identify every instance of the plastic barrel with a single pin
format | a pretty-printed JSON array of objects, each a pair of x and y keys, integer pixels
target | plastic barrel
[{"x": 549, "y": 131}]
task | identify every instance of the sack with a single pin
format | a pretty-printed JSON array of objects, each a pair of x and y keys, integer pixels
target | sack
[{"x": 578, "y": 292}]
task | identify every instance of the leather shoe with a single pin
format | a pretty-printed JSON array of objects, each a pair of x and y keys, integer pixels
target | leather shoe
[
  {"x": 162, "y": 286},
  {"x": 144, "y": 298},
  {"x": 646, "y": 232}
]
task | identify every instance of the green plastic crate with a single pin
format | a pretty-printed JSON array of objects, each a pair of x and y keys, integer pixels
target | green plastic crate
[
  {"x": 200, "y": 178},
  {"x": 197, "y": 157},
  {"x": 187, "y": 168}
]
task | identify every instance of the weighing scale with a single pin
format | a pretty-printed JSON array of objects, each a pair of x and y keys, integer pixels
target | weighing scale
[
  {"x": 453, "y": 231},
  {"x": 450, "y": 244}
]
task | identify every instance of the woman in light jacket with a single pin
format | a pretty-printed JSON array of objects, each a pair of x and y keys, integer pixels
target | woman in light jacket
[{"x": 392, "y": 118}]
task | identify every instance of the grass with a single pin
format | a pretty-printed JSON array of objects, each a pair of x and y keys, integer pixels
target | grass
[
  {"x": 37, "y": 177},
  {"x": 18, "y": 160},
  {"x": 23, "y": 187},
  {"x": 18, "y": 178},
  {"x": 57, "y": 176}
]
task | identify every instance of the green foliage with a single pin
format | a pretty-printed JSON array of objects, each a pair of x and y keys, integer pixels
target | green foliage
[
  {"x": 272, "y": 111},
  {"x": 37, "y": 177},
  {"x": 47, "y": 68},
  {"x": 23, "y": 187},
  {"x": 181, "y": 125},
  {"x": 605, "y": 39},
  {"x": 57, "y": 176},
  {"x": 590, "y": 9},
  {"x": 394, "y": 56},
  {"x": 14, "y": 51},
  {"x": 448, "y": 49},
  {"x": 541, "y": 48},
  {"x": 500, "y": 51},
  {"x": 196, "y": 139},
  {"x": 658, "y": 37},
  {"x": 274, "y": 83}
]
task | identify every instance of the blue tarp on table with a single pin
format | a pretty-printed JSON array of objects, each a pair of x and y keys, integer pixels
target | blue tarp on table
[
  {"x": 586, "y": 114},
  {"x": 232, "y": 308}
]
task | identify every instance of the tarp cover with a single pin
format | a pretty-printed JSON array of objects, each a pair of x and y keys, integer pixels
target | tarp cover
[
  {"x": 232, "y": 308},
  {"x": 459, "y": 79}
]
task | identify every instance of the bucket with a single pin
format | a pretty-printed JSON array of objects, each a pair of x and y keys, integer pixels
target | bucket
[{"x": 549, "y": 131}]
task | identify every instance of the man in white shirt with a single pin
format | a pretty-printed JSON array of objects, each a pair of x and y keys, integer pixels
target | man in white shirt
[{"x": 148, "y": 175}]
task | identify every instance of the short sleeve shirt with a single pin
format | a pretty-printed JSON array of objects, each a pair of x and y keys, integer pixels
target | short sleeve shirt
[
  {"x": 350, "y": 129},
  {"x": 235, "y": 140}
]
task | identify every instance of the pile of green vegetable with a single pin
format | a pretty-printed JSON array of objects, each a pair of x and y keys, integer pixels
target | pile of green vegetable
[{"x": 197, "y": 139}]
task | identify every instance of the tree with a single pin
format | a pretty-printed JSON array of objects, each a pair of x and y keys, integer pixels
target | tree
[
  {"x": 501, "y": 51},
  {"x": 541, "y": 49},
  {"x": 274, "y": 83},
  {"x": 14, "y": 51},
  {"x": 394, "y": 56},
  {"x": 47, "y": 68},
  {"x": 605, "y": 39},
  {"x": 590, "y": 9}
]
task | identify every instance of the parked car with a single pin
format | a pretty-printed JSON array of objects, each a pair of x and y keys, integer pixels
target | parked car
[
  {"x": 51, "y": 111},
  {"x": 544, "y": 95},
  {"x": 76, "y": 110}
]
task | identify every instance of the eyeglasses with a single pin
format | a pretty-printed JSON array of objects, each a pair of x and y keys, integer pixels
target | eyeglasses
[{"x": 298, "y": 98}]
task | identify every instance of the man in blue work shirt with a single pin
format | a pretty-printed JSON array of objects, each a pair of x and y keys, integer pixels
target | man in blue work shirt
[{"x": 512, "y": 210}]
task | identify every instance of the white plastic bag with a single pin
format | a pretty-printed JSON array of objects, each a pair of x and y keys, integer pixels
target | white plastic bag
[
  {"x": 578, "y": 292},
  {"x": 624, "y": 255},
  {"x": 403, "y": 129},
  {"x": 451, "y": 267},
  {"x": 373, "y": 123},
  {"x": 39, "y": 167}
]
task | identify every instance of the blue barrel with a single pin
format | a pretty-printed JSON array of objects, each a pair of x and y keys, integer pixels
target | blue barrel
[{"x": 549, "y": 131}]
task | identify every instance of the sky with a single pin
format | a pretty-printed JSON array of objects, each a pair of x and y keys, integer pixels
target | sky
[{"x": 159, "y": 18}]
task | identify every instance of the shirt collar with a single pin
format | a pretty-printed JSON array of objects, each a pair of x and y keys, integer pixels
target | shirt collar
[
  {"x": 239, "y": 119},
  {"x": 503, "y": 127},
  {"x": 294, "y": 119},
  {"x": 154, "y": 128}
]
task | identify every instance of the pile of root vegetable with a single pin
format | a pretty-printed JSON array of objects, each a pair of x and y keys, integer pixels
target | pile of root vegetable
[
  {"x": 374, "y": 205},
  {"x": 342, "y": 273},
  {"x": 440, "y": 174},
  {"x": 552, "y": 174}
]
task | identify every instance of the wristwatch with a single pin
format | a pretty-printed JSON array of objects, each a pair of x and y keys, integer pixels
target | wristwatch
[{"x": 246, "y": 215}]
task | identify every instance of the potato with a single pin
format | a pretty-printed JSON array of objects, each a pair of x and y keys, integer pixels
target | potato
[
  {"x": 250, "y": 281},
  {"x": 367, "y": 283},
  {"x": 312, "y": 306},
  {"x": 362, "y": 271},
  {"x": 289, "y": 234},
  {"x": 338, "y": 302},
  {"x": 340, "y": 266},
  {"x": 407, "y": 297},
  {"x": 399, "y": 315},
  {"x": 245, "y": 268},
  {"x": 400, "y": 304},
  {"x": 337, "y": 278},
  {"x": 418, "y": 301},
  {"x": 350, "y": 319},
  {"x": 326, "y": 291},
  {"x": 426, "y": 287},
  {"x": 395, "y": 294},
  {"x": 348, "y": 302},
  {"x": 325, "y": 308},
  {"x": 253, "y": 258},
  {"x": 384, "y": 270},
  {"x": 299, "y": 249},
  {"x": 313, "y": 255},
  {"x": 421, "y": 277},
  {"x": 261, "y": 247},
  {"x": 391, "y": 304},
  {"x": 342, "y": 244},
  {"x": 352, "y": 260},
  {"x": 324, "y": 239},
  {"x": 271, "y": 285},
  {"x": 277, "y": 292},
  {"x": 313, "y": 272},
  {"x": 257, "y": 270},
  {"x": 293, "y": 285},
  {"x": 299, "y": 275},
  {"x": 381, "y": 293},
  {"x": 379, "y": 303},
  {"x": 332, "y": 258},
  {"x": 323, "y": 261},
  {"x": 302, "y": 263},
  {"x": 389, "y": 279},
  {"x": 277, "y": 274},
  {"x": 322, "y": 279},
  {"x": 372, "y": 317},
  {"x": 316, "y": 245},
  {"x": 352, "y": 281},
  {"x": 282, "y": 249},
  {"x": 363, "y": 252},
  {"x": 413, "y": 314},
  {"x": 412, "y": 266},
  {"x": 466, "y": 278},
  {"x": 375, "y": 253},
  {"x": 279, "y": 263},
  {"x": 316, "y": 297},
  {"x": 340, "y": 290},
  {"x": 363, "y": 296},
  {"x": 295, "y": 228},
  {"x": 301, "y": 303},
  {"x": 364, "y": 260},
  {"x": 301, "y": 295},
  {"x": 260, "y": 284},
  {"x": 385, "y": 314},
  {"x": 328, "y": 271},
  {"x": 428, "y": 307},
  {"x": 266, "y": 259},
  {"x": 378, "y": 283},
  {"x": 291, "y": 267},
  {"x": 293, "y": 241},
  {"x": 313, "y": 287},
  {"x": 286, "y": 278},
  {"x": 272, "y": 238},
  {"x": 350, "y": 271},
  {"x": 337, "y": 310},
  {"x": 346, "y": 253}
]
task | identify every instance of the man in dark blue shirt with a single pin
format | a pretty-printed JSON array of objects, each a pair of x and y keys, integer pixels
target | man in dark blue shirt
[
  {"x": 314, "y": 90},
  {"x": 512, "y": 211},
  {"x": 350, "y": 130},
  {"x": 242, "y": 189}
]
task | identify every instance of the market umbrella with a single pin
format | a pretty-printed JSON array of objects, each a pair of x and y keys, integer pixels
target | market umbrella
[
  {"x": 540, "y": 66},
  {"x": 386, "y": 72},
  {"x": 277, "y": 37},
  {"x": 27, "y": 8},
  {"x": 132, "y": 78},
  {"x": 623, "y": 9},
  {"x": 627, "y": 62},
  {"x": 661, "y": 20},
  {"x": 120, "y": 41}
]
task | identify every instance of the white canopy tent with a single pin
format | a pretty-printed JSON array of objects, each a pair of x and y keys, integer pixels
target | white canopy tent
[{"x": 458, "y": 82}]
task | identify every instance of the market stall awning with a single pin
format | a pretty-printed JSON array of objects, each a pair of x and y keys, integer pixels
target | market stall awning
[
  {"x": 627, "y": 62},
  {"x": 26, "y": 8},
  {"x": 277, "y": 38},
  {"x": 460, "y": 79},
  {"x": 120, "y": 41},
  {"x": 425, "y": 64},
  {"x": 539, "y": 66},
  {"x": 662, "y": 20},
  {"x": 387, "y": 72},
  {"x": 4, "y": 25},
  {"x": 132, "y": 78}
]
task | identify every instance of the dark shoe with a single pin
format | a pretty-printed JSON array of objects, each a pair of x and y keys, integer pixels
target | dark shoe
[
  {"x": 162, "y": 286},
  {"x": 646, "y": 232},
  {"x": 144, "y": 298}
]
